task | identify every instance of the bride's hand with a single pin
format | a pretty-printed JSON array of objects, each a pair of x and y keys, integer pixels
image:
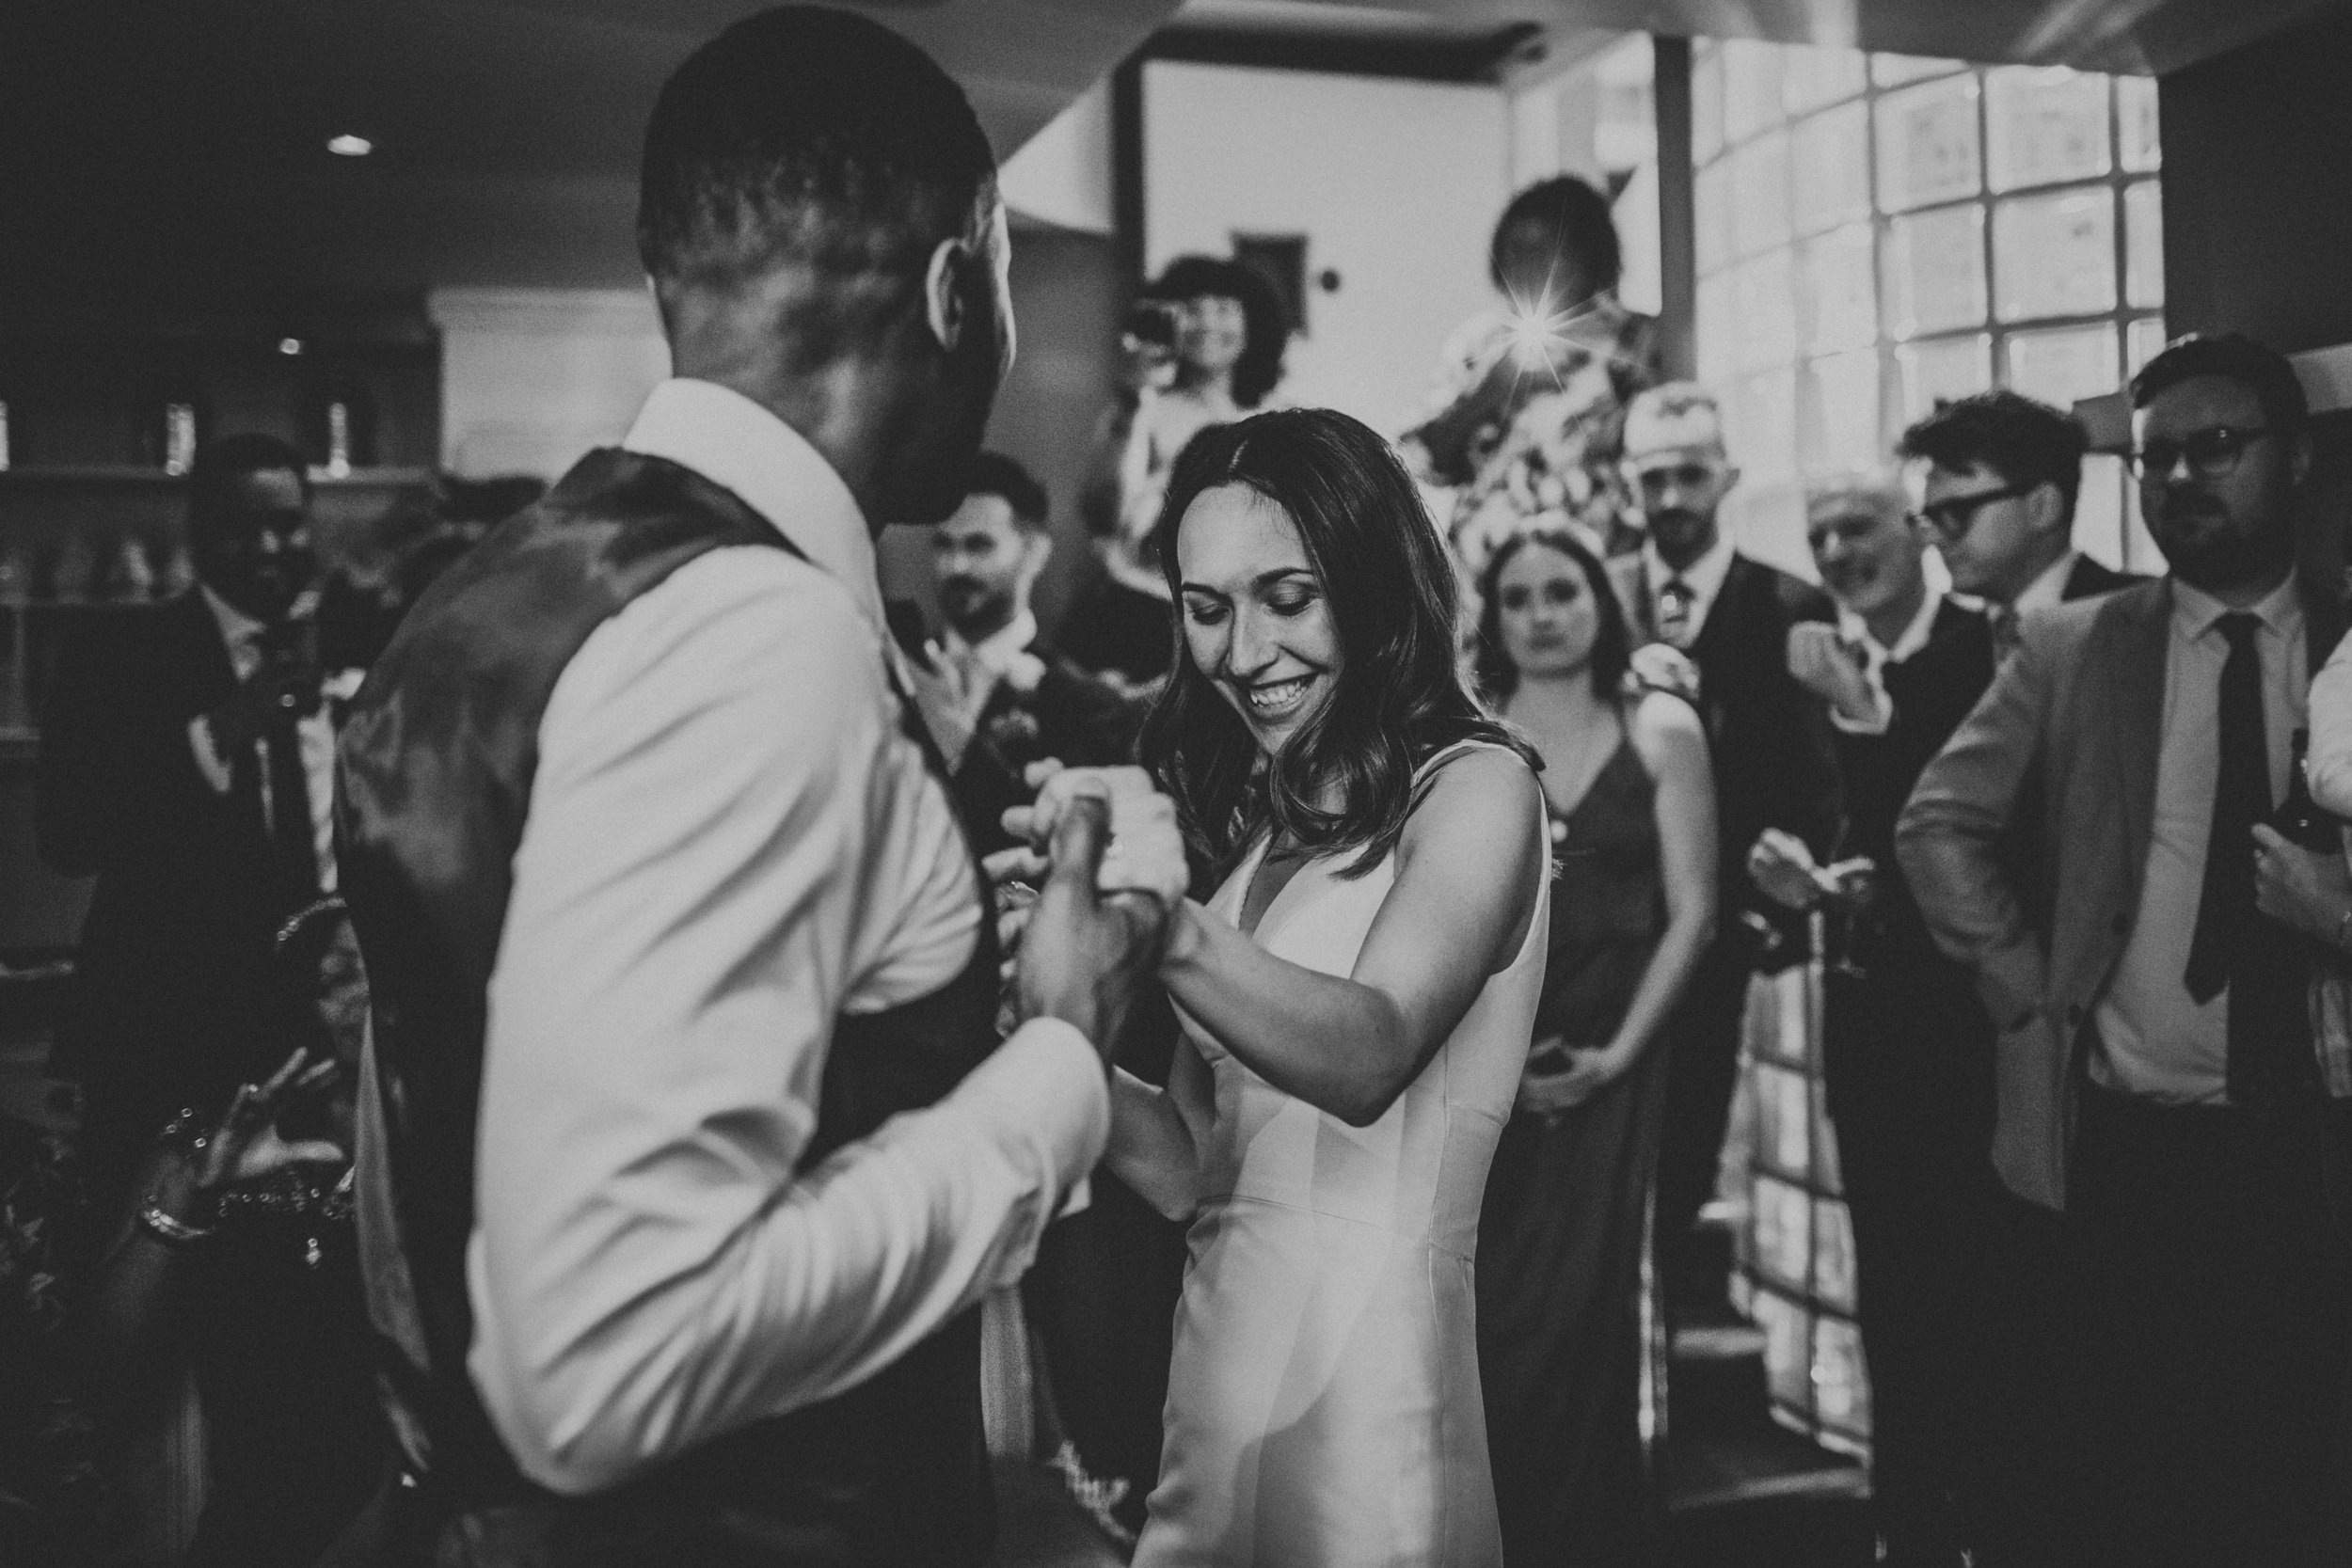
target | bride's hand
[{"x": 1147, "y": 849}]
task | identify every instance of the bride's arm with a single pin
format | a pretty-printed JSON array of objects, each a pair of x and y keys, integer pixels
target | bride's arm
[
  {"x": 1469, "y": 865},
  {"x": 1152, "y": 1147}
]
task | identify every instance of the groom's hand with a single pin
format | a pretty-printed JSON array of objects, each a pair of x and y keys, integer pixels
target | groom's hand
[{"x": 1086, "y": 952}]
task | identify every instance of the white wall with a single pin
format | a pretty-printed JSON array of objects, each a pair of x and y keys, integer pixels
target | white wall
[
  {"x": 532, "y": 378},
  {"x": 1396, "y": 185}
]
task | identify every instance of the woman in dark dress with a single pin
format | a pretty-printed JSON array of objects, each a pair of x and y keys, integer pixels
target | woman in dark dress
[{"x": 1566, "y": 1213}]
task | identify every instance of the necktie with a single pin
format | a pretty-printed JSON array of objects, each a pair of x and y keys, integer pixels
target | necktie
[
  {"x": 2229, "y": 948},
  {"x": 1677, "y": 599},
  {"x": 2235, "y": 948},
  {"x": 2241, "y": 797}
]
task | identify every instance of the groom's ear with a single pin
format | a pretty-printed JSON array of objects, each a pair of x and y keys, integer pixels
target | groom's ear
[{"x": 948, "y": 294}]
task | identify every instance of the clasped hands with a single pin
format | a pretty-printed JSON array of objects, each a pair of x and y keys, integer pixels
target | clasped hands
[
  {"x": 1087, "y": 900},
  {"x": 1559, "y": 1077}
]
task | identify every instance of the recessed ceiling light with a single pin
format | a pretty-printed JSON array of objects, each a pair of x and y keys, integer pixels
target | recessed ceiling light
[
  {"x": 349, "y": 146},
  {"x": 290, "y": 345}
]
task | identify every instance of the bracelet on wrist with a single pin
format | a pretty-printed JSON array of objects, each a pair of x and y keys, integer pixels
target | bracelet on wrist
[{"x": 171, "y": 1232}]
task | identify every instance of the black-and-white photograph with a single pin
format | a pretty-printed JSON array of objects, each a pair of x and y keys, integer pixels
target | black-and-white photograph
[{"x": 1176, "y": 783}]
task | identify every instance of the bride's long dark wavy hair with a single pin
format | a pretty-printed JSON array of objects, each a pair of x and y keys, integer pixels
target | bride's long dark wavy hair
[{"x": 1398, "y": 694}]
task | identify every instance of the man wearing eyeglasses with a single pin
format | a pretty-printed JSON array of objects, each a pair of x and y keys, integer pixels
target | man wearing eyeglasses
[
  {"x": 1768, "y": 738},
  {"x": 2003, "y": 473},
  {"x": 2154, "y": 1073}
]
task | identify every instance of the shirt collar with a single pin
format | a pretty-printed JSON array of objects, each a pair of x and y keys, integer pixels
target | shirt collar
[
  {"x": 237, "y": 628},
  {"x": 1914, "y": 636},
  {"x": 1706, "y": 574},
  {"x": 995, "y": 652},
  {"x": 734, "y": 442},
  {"x": 2050, "y": 587},
  {"x": 2195, "y": 612}
]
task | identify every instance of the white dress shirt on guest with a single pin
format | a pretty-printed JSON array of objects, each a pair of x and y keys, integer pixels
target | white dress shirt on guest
[
  {"x": 2155, "y": 1040},
  {"x": 731, "y": 843},
  {"x": 1854, "y": 631},
  {"x": 314, "y": 733}
]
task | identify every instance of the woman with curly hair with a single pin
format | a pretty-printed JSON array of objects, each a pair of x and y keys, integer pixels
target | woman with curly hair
[{"x": 1356, "y": 996}]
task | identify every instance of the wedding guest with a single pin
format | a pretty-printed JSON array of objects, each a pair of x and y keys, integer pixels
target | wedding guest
[
  {"x": 2003, "y": 475},
  {"x": 235, "y": 1258},
  {"x": 1906, "y": 1047},
  {"x": 1532, "y": 389},
  {"x": 1693, "y": 589},
  {"x": 687, "y": 1139},
  {"x": 1000, "y": 697},
  {"x": 996, "y": 694},
  {"x": 187, "y": 761},
  {"x": 1359, "y": 997},
  {"x": 2156, "y": 1080},
  {"x": 1225, "y": 330},
  {"x": 1561, "y": 1238}
]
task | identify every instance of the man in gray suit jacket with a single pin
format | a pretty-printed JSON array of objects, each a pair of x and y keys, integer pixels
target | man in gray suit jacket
[{"x": 2154, "y": 1074}]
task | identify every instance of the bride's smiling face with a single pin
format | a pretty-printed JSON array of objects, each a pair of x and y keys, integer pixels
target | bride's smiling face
[{"x": 1256, "y": 620}]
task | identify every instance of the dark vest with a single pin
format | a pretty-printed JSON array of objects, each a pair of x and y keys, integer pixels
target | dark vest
[{"x": 438, "y": 754}]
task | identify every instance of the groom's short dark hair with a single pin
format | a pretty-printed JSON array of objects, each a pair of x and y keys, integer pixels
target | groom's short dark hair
[{"x": 808, "y": 137}]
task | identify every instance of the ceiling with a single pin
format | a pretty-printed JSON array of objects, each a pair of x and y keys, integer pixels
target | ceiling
[
  {"x": 147, "y": 147},
  {"x": 142, "y": 142},
  {"x": 2147, "y": 37}
]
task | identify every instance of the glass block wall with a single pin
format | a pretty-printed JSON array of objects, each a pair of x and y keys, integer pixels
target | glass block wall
[{"x": 1876, "y": 232}]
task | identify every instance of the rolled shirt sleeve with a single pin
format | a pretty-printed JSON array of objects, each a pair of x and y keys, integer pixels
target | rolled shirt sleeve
[{"x": 730, "y": 844}]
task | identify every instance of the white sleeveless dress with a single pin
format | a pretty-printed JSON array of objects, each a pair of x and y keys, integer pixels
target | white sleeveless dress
[{"x": 1323, "y": 1403}]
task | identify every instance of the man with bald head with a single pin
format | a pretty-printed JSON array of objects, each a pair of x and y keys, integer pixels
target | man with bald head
[
  {"x": 1690, "y": 588},
  {"x": 1906, "y": 1045},
  {"x": 687, "y": 1141}
]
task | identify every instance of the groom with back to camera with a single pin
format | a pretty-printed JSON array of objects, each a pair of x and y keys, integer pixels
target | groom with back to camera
[{"x": 687, "y": 1141}]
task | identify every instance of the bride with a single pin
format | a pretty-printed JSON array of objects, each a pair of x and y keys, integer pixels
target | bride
[{"x": 1357, "y": 999}]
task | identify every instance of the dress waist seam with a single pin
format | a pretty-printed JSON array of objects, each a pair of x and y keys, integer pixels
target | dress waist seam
[{"x": 1224, "y": 1201}]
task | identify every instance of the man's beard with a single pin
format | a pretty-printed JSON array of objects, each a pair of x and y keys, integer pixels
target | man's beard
[
  {"x": 967, "y": 603},
  {"x": 1677, "y": 529},
  {"x": 2224, "y": 558}
]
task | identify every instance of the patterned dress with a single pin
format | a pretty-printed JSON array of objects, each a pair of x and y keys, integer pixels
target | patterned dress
[{"x": 1545, "y": 452}]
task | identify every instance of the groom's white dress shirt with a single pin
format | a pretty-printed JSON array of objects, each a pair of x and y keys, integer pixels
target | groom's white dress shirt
[{"x": 730, "y": 844}]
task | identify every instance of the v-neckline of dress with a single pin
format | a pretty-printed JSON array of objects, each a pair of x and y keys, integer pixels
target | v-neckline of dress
[{"x": 1247, "y": 876}]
